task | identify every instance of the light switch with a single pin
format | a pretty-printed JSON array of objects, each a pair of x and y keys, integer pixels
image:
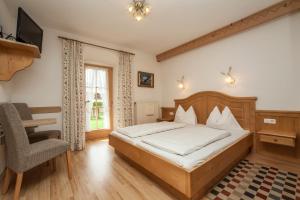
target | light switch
[{"x": 269, "y": 121}]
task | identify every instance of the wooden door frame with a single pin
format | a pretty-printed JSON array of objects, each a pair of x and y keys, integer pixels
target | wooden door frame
[{"x": 103, "y": 133}]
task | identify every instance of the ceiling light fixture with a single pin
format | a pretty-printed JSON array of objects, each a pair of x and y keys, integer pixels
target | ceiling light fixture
[{"x": 139, "y": 9}]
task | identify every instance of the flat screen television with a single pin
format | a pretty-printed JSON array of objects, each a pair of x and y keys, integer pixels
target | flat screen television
[{"x": 28, "y": 31}]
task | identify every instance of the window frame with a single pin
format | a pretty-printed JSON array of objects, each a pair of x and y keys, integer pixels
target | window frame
[{"x": 103, "y": 133}]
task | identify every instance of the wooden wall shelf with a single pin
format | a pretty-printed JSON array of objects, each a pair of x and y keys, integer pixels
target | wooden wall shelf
[
  {"x": 286, "y": 138},
  {"x": 15, "y": 56},
  {"x": 279, "y": 141}
]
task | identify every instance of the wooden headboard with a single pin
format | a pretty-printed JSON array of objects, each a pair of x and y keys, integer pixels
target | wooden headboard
[{"x": 243, "y": 108}]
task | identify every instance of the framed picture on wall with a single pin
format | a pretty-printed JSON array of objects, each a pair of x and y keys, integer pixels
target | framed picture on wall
[{"x": 145, "y": 79}]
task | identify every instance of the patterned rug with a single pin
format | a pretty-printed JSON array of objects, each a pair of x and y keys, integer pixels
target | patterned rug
[{"x": 253, "y": 181}]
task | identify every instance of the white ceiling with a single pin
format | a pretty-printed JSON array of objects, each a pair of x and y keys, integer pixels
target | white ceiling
[{"x": 171, "y": 22}]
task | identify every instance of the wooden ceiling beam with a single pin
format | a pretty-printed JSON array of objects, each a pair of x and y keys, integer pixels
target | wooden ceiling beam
[{"x": 268, "y": 14}]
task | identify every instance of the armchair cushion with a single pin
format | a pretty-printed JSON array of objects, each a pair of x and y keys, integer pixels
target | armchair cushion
[
  {"x": 43, "y": 151},
  {"x": 43, "y": 135}
]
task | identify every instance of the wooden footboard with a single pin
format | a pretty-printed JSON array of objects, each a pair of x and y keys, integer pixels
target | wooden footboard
[
  {"x": 204, "y": 177},
  {"x": 182, "y": 183},
  {"x": 166, "y": 171}
]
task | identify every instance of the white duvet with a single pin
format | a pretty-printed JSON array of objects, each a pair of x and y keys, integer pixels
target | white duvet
[
  {"x": 192, "y": 160},
  {"x": 185, "y": 141},
  {"x": 148, "y": 129}
]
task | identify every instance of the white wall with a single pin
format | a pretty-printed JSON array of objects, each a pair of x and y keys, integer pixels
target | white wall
[
  {"x": 41, "y": 84},
  {"x": 9, "y": 26},
  {"x": 4, "y": 91},
  {"x": 6, "y": 19},
  {"x": 265, "y": 61},
  {"x": 141, "y": 62},
  {"x": 295, "y": 32}
]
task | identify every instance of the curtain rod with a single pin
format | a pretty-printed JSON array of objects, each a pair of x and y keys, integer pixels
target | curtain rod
[{"x": 95, "y": 45}]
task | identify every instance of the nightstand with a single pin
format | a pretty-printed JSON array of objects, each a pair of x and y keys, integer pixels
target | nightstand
[
  {"x": 278, "y": 137},
  {"x": 165, "y": 119}
]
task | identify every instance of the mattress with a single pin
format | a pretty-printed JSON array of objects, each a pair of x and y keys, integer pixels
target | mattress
[
  {"x": 149, "y": 128},
  {"x": 192, "y": 160},
  {"x": 185, "y": 141}
]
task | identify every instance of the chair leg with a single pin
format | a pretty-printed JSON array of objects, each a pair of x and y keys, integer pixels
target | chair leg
[
  {"x": 69, "y": 164},
  {"x": 6, "y": 180},
  {"x": 18, "y": 186}
]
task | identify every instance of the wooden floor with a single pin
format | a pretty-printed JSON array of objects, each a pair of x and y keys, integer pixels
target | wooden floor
[{"x": 99, "y": 174}]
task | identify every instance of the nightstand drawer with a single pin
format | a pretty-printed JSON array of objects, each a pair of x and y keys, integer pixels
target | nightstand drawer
[{"x": 278, "y": 140}]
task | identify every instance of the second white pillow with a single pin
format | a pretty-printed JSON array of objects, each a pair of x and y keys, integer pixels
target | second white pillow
[
  {"x": 214, "y": 117},
  {"x": 224, "y": 121},
  {"x": 188, "y": 117},
  {"x": 228, "y": 121}
]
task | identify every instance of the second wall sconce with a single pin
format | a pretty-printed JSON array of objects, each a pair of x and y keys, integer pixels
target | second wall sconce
[
  {"x": 181, "y": 82},
  {"x": 228, "y": 77}
]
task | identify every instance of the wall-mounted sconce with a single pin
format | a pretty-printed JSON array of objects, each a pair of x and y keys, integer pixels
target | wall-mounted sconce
[
  {"x": 181, "y": 83},
  {"x": 228, "y": 77}
]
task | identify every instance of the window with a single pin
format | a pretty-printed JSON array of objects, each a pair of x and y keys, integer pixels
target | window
[{"x": 98, "y": 100}]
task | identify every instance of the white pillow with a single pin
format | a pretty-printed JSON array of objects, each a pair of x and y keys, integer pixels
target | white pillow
[
  {"x": 226, "y": 122},
  {"x": 188, "y": 117},
  {"x": 214, "y": 117}
]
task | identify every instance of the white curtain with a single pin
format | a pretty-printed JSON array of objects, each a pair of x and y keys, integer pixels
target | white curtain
[
  {"x": 124, "y": 99},
  {"x": 73, "y": 95},
  {"x": 97, "y": 83}
]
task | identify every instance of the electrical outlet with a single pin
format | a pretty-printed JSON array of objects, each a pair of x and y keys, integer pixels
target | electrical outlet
[
  {"x": 269, "y": 121},
  {"x": 171, "y": 113}
]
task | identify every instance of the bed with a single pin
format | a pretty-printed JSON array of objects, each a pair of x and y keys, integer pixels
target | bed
[{"x": 195, "y": 181}]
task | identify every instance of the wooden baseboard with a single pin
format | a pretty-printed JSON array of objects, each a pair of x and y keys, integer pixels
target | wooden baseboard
[{"x": 97, "y": 135}]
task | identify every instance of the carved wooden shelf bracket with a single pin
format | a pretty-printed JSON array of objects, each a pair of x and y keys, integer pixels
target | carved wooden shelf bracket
[{"x": 15, "y": 56}]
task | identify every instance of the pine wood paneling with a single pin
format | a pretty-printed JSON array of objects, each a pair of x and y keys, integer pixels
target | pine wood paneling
[
  {"x": 243, "y": 108},
  {"x": 43, "y": 110},
  {"x": 287, "y": 126},
  {"x": 38, "y": 122},
  {"x": 166, "y": 112}
]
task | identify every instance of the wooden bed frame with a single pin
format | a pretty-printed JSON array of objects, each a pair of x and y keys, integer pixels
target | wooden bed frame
[{"x": 196, "y": 183}]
